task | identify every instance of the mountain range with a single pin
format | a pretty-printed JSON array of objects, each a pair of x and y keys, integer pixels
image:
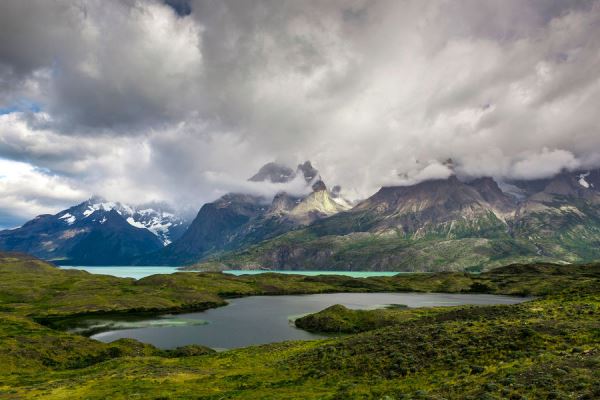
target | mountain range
[
  {"x": 442, "y": 224},
  {"x": 238, "y": 220}
]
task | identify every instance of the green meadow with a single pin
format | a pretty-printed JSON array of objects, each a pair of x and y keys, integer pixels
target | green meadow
[{"x": 546, "y": 348}]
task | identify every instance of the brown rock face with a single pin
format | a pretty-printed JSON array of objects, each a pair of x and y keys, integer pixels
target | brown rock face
[{"x": 319, "y": 186}]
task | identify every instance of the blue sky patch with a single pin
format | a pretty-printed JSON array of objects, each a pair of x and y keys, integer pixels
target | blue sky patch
[{"x": 21, "y": 106}]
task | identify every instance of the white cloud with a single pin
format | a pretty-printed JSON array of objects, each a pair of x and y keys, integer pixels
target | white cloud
[
  {"x": 27, "y": 191},
  {"x": 138, "y": 102},
  {"x": 544, "y": 164}
]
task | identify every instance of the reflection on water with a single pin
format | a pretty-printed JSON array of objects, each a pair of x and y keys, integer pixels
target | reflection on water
[{"x": 100, "y": 324}]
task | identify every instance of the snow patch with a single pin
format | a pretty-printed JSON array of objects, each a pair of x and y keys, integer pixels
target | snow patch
[
  {"x": 135, "y": 223},
  {"x": 69, "y": 219},
  {"x": 582, "y": 180},
  {"x": 106, "y": 206}
]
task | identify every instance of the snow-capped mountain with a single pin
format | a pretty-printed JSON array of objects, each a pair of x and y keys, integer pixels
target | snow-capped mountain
[
  {"x": 158, "y": 218},
  {"x": 96, "y": 232}
]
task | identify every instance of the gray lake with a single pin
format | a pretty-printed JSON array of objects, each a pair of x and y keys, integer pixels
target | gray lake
[{"x": 266, "y": 319}]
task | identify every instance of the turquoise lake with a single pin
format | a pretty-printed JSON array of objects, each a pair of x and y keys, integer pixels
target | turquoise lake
[{"x": 139, "y": 272}]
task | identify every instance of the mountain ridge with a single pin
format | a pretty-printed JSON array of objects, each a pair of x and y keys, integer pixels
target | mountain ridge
[{"x": 442, "y": 224}]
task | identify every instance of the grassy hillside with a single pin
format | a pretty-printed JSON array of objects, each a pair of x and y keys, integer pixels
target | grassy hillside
[
  {"x": 546, "y": 348},
  {"x": 300, "y": 250},
  {"x": 562, "y": 232}
]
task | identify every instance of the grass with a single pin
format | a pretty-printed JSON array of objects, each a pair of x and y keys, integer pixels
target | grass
[{"x": 548, "y": 348}]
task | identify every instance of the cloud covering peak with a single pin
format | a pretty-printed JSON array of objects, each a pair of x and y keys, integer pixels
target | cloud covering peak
[{"x": 183, "y": 100}]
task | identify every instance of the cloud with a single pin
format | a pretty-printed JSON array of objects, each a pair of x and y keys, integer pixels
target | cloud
[
  {"x": 544, "y": 164},
  {"x": 184, "y": 100},
  {"x": 123, "y": 65},
  {"x": 267, "y": 190},
  {"x": 28, "y": 191}
]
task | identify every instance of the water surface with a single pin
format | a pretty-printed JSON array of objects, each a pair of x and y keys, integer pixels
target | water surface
[
  {"x": 136, "y": 272},
  {"x": 265, "y": 319},
  {"x": 139, "y": 272},
  {"x": 353, "y": 274}
]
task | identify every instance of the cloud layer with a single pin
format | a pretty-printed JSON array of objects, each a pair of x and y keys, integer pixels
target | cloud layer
[{"x": 182, "y": 101}]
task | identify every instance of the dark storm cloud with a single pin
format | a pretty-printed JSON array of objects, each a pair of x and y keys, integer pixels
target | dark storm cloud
[
  {"x": 99, "y": 66},
  {"x": 183, "y": 100}
]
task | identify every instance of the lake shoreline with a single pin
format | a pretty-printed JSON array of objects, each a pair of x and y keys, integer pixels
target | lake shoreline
[
  {"x": 142, "y": 271},
  {"x": 54, "y": 321},
  {"x": 51, "y": 320},
  {"x": 256, "y": 320}
]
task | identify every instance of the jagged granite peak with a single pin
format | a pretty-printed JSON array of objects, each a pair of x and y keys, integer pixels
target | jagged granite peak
[
  {"x": 236, "y": 219},
  {"x": 572, "y": 184},
  {"x": 446, "y": 195},
  {"x": 278, "y": 173},
  {"x": 308, "y": 171},
  {"x": 567, "y": 194},
  {"x": 566, "y": 187},
  {"x": 319, "y": 204},
  {"x": 319, "y": 186},
  {"x": 283, "y": 203},
  {"x": 274, "y": 172}
]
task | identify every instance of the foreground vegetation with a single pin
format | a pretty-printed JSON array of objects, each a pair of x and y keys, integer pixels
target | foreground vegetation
[{"x": 545, "y": 348}]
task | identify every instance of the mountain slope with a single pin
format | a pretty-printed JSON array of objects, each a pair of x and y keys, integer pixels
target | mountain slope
[
  {"x": 443, "y": 225},
  {"x": 212, "y": 230},
  {"x": 95, "y": 232}
]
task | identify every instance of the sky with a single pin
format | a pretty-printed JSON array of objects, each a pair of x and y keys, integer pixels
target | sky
[{"x": 182, "y": 101}]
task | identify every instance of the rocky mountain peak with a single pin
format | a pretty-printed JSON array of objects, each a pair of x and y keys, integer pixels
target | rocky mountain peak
[
  {"x": 273, "y": 172},
  {"x": 436, "y": 203},
  {"x": 319, "y": 186},
  {"x": 283, "y": 203},
  {"x": 489, "y": 190},
  {"x": 308, "y": 171},
  {"x": 278, "y": 173}
]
